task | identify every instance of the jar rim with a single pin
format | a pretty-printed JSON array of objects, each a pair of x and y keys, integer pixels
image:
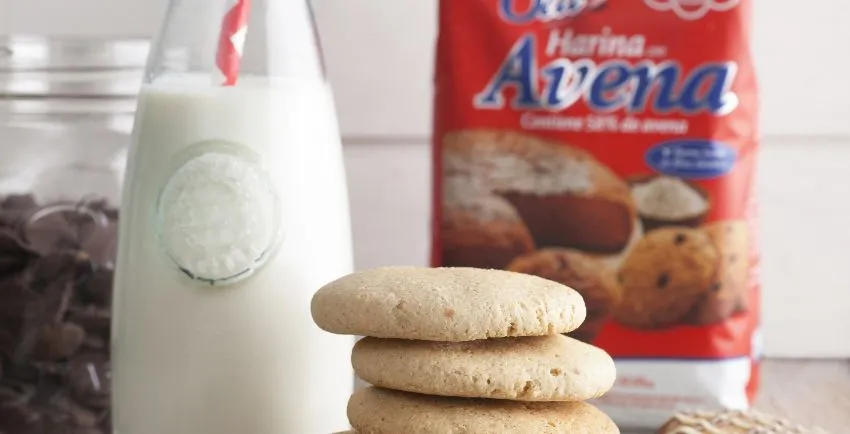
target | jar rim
[
  {"x": 24, "y": 52},
  {"x": 69, "y": 67}
]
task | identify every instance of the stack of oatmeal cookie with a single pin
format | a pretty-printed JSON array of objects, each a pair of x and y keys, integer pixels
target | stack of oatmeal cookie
[{"x": 466, "y": 350}]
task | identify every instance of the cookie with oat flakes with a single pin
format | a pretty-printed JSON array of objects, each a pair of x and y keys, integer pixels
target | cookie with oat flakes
[{"x": 732, "y": 422}]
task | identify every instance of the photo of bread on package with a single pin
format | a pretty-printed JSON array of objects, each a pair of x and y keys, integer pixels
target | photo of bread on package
[
  {"x": 546, "y": 182},
  {"x": 480, "y": 229}
]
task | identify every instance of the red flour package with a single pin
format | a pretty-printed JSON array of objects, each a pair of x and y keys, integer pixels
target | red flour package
[{"x": 611, "y": 145}]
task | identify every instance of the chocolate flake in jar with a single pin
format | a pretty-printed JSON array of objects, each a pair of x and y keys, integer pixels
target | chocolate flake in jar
[
  {"x": 58, "y": 341},
  {"x": 88, "y": 378},
  {"x": 55, "y": 294},
  {"x": 23, "y": 202},
  {"x": 96, "y": 320},
  {"x": 63, "y": 226},
  {"x": 97, "y": 289},
  {"x": 15, "y": 297},
  {"x": 65, "y": 266},
  {"x": 15, "y": 414},
  {"x": 14, "y": 255},
  {"x": 14, "y": 209},
  {"x": 50, "y": 233}
]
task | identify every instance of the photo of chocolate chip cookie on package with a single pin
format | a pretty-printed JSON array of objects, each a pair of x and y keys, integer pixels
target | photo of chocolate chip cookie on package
[
  {"x": 728, "y": 295},
  {"x": 590, "y": 275},
  {"x": 482, "y": 231},
  {"x": 563, "y": 194},
  {"x": 664, "y": 276}
]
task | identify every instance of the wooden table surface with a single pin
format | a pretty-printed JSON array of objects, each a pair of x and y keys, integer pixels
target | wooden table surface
[
  {"x": 811, "y": 393},
  {"x": 808, "y": 392}
]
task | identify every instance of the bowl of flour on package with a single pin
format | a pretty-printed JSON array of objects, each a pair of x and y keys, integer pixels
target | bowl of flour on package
[{"x": 664, "y": 201}]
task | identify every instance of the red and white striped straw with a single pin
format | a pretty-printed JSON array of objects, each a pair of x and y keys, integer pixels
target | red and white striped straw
[{"x": 231, "y": 42}]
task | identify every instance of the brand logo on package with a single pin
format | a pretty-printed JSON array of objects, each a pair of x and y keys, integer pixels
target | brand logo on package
[
  {"x": 610, "y": 84},
  {"x": 692, "y": 9},
  {"x": 526, "y": 11}
]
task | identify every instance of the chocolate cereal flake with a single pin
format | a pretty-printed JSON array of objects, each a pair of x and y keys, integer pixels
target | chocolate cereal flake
[{"x": 56, "y": 275}]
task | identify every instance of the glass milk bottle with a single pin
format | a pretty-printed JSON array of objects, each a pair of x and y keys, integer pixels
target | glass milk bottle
[{"x": 234, "y": 212}]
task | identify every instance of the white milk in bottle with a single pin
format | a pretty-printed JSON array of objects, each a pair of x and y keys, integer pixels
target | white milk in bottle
[{"x": 235, "y": 211}]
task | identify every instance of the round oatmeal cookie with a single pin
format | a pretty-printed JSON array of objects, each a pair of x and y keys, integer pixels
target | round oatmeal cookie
[
  {"x": 728, "y": 295},
  {"x": 381, "y": 411},
  {"x": 446, "y": 304},
  {"x": 565, "y": 196},
  {"x": 663, "y": 277},
  {"x": 543, "y": 368},
  {"x": 731, "y": 422},
  {"x": 481, "y": 231},
  {"x": 588, "y": 274}
]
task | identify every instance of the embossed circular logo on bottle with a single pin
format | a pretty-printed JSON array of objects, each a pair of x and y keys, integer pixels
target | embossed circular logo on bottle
[{"x": 218, "y": 215}]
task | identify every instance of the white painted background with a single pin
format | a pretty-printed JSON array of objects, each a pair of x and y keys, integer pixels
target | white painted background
[{"x": 379, "y": 55}]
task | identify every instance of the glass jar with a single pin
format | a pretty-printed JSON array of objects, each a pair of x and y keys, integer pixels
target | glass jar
[{"x": 66, "y": 112}]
